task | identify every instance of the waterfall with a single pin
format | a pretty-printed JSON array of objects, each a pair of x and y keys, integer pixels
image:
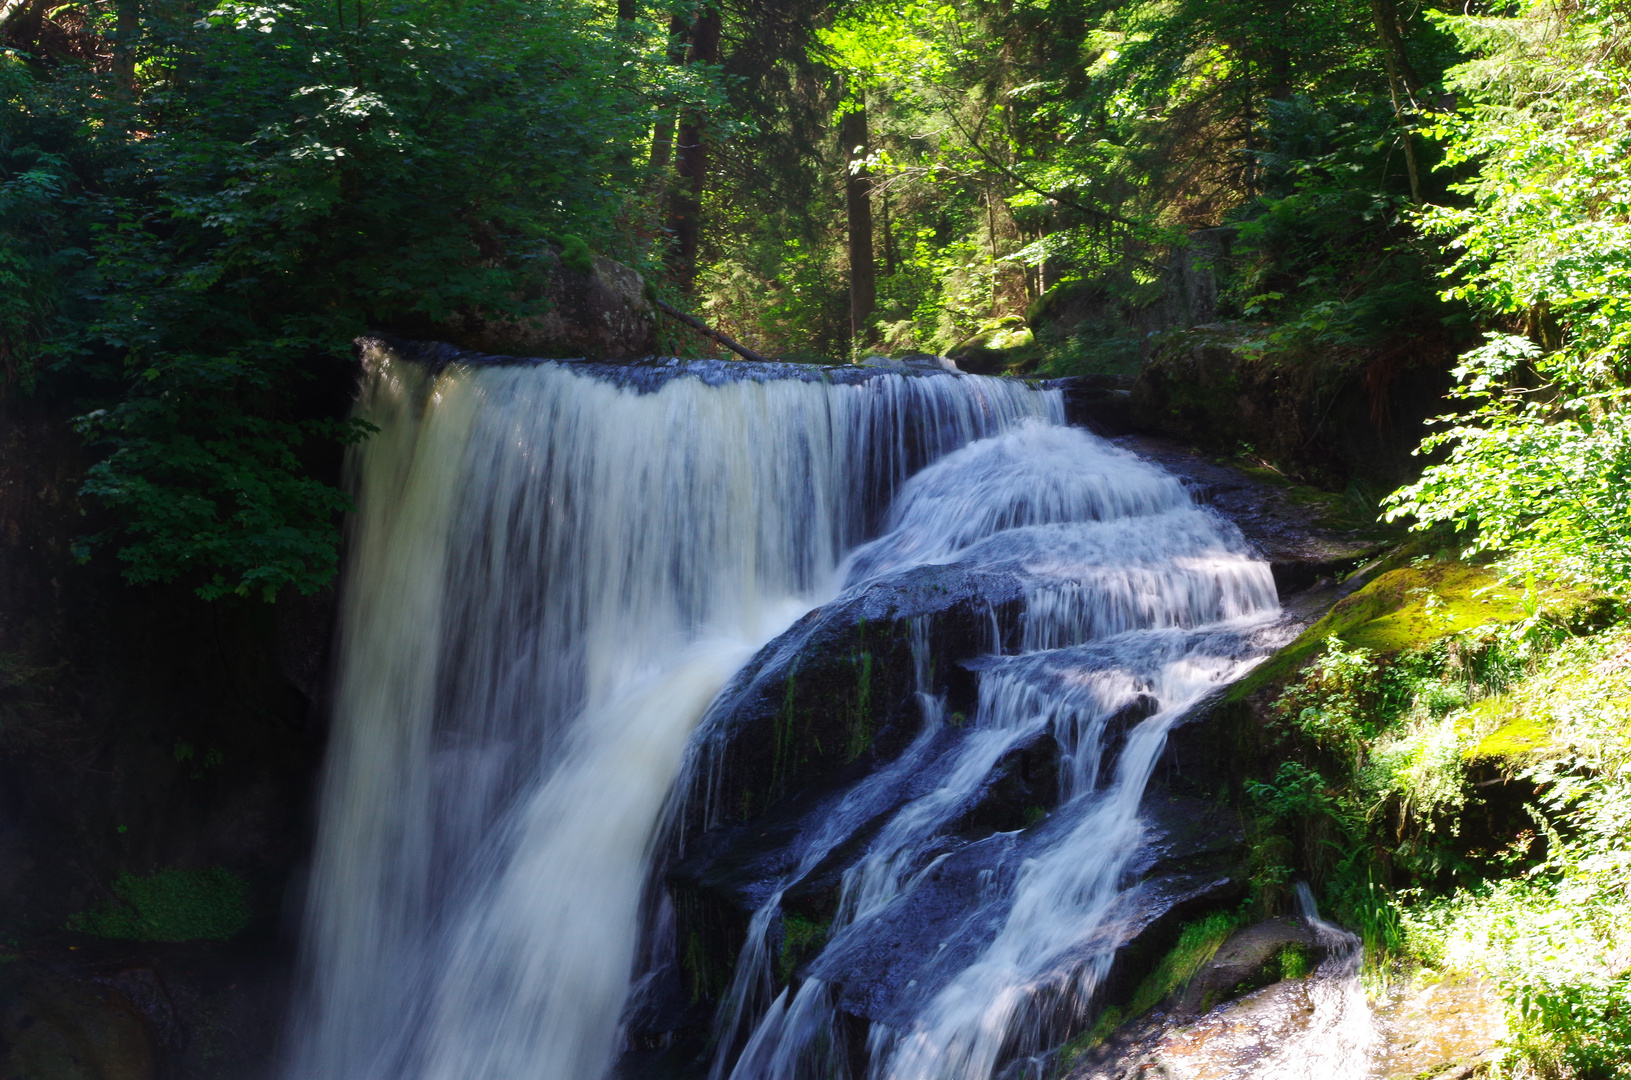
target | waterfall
[
  {"x": 1137, "y": 602},
  {"x": 552, "y": 570}
]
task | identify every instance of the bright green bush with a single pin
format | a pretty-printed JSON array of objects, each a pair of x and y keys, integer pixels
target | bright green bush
[
  {"x": 1550, "y": 922},
  {"x": 1539, "y": 458}
]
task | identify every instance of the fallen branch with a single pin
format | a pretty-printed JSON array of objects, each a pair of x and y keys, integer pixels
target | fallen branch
[{"x": 707, "y": 331}]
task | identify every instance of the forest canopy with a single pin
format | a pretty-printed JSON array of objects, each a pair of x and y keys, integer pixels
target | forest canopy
[{"x": 201, "y": 206}]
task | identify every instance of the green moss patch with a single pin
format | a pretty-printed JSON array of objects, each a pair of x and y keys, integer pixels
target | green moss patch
[
  {"x": 171, "y": 905},
  {"x": 1197, "y": 943},
  {"x": 1520, "y": 736},
  {"x": 801, "y": 939},
  {"x": 575, "y": 253},
  {"x": 1408, "y": 607},
  {"x": 1417, "y": 605}
]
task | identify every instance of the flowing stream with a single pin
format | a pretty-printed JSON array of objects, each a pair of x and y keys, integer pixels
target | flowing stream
[{"x": 553, "y": 572}]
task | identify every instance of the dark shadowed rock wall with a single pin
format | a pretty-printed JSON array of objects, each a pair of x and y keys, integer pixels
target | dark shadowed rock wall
[
  {"x": 1332, "y": 417},
  {"x": 141, "y": 730}
]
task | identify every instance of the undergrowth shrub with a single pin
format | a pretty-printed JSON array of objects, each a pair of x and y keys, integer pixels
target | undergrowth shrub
[
  {"x": 1369, "y": 801},
  {"x": 1372, "y": 806}
]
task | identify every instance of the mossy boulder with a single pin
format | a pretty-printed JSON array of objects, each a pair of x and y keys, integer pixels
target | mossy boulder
[
  {"x": 1002, "y": 345},
  {"x": 1415, "y": 604},
  {"x": 1410, "y": 606},
  {"x": 1253, "y": 956}
]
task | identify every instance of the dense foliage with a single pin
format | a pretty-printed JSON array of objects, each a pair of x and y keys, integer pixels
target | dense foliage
[
  {"x": 1029, "y": 151},
  {"x": 1539, "y": 464},
  {"x": 1394, "y": 758},
  {"x": 195, "y": 225}
]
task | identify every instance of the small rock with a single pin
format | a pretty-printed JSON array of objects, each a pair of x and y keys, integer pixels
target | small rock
[
  {"x": 55, "y": 1027},
  {"x": 1242, "y": 960}
]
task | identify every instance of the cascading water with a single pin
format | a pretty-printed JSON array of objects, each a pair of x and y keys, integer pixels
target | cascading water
[
  {"x": 1315, "y": 1028},
  {"x": 1340, "y": 1036},
  {"x": 552, "y": 571},
  {"x": 1136, "y": 602}
]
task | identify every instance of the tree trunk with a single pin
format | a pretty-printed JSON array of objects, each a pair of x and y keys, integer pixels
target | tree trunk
[
  {"x": 1279, "y": 73},
  {"x": 662, "y": 139},
  {"x": 627, "y": 10},
  {"x": 1387, "y": 27},
  {"x": 127, "y": 30},
  {"x": 888, "y": 239},
  {"x": 1248, "y": 122},
  {"x": 685, "y": 214},
  {"x": 1396, "y": 62},
  {"x": 863, "y": 269}
]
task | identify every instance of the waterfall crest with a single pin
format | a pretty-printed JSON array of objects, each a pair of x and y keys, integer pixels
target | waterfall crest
[{"x": 551, "y": 574}]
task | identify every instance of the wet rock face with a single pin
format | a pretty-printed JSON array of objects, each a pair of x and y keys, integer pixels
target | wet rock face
[
  {"x": 1306, "y": 535},
  {"x": 790, "y": 741},
  {"x": 835, "y": 696},
  {"x": 1447, "y": 1026},
  {"x": 56, "y": 1027},
  {"x": 832, "y": 701},
  {"x": 1193, "y": 858},
  {"x": 1436, "y": 1027}
]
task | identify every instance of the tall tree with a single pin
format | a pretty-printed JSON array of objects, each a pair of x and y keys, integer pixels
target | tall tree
[
  {"x": 863, "y": 269},
  {"x": 685, "y": 213},
  {"x": 662, "y": 136},
  {"x": 1399, "y": 70}
]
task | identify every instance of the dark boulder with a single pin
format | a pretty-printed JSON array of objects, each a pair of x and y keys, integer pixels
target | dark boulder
[
  {"x": 604, "y": 314},
  {"x": 1332, "y": 416},
  {"x": 55, "y": 1027}
]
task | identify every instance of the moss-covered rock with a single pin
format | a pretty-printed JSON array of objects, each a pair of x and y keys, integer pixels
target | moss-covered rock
[
  {"x": 1410, "y": 602},
  {"x": 1519, "y": 734},
  {"x": 1002, "y": 346}
]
